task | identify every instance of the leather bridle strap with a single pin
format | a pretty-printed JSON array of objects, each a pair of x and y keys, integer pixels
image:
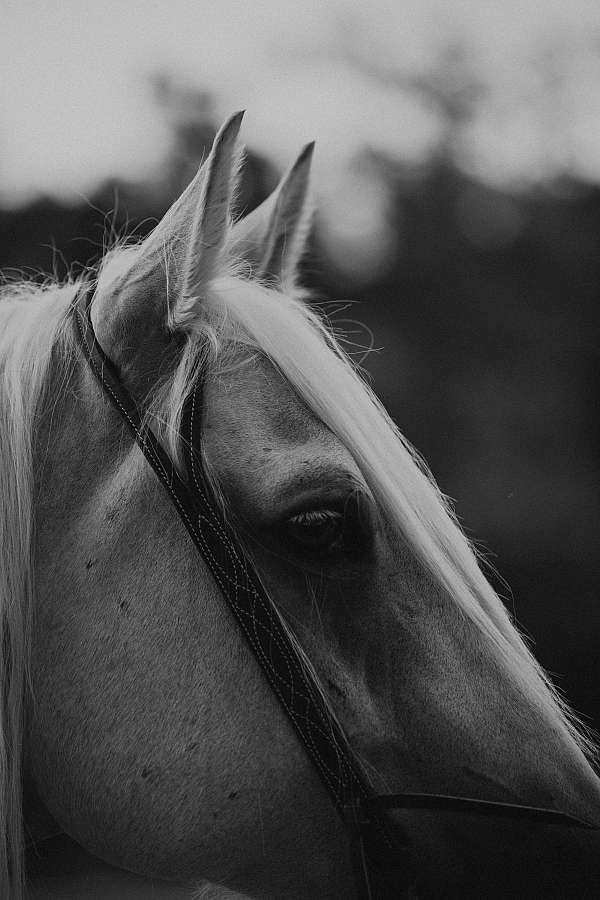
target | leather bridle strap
[
  {"x": 449, "y": 803},
  {"x": 358, "y": 817},
  {"x": 259, "y": 619},
  {"x": 384, "y": 866}
]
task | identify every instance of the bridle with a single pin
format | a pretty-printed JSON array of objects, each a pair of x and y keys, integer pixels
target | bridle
[{"x": 381, "y": 855}]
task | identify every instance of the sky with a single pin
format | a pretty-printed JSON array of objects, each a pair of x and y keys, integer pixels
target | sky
[{"x": 521, "y": 79}]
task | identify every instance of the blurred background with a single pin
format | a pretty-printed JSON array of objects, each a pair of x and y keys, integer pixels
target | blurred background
[{"x": 457, "y": 180}]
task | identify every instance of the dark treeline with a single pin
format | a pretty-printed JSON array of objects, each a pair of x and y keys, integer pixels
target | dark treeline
[{"x": 488, "y": 317}]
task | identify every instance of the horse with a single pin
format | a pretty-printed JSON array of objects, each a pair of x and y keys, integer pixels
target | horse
[{"x": 143, "y": 752}]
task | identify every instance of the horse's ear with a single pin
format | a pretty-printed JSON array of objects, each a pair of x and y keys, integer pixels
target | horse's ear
[
  {"x": 211, "y": 221},
  {"x": 273, "y": 237},
  {"x": 191, "y": 236},
  {"x": 157, "y": 286}
]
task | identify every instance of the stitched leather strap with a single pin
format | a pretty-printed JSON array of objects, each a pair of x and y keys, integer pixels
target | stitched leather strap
[{"x": 258, "y": 618}]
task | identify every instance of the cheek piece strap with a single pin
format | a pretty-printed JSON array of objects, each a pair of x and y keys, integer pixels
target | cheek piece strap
[{"x": 379, "y": 846}]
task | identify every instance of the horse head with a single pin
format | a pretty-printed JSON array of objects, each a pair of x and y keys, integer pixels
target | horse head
[{"x": 151, "y": 736}]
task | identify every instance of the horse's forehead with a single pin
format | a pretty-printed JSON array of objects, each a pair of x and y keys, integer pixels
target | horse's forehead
[
  {"x": 257, "y": 432},
  {"x": 251, "y": 398}
]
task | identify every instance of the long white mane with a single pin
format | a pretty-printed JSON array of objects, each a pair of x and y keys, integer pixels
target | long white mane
[
  {"x": 31, "y": 319},
  {"x": 35, "y": 341}
]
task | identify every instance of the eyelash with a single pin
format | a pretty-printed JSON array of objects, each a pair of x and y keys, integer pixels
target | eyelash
[
  {"x": 311, "y": 520},
  {"x": 329, "y": 532}
]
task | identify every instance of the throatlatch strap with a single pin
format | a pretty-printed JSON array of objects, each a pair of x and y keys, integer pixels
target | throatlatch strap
[{"x": 381, "y": 841}]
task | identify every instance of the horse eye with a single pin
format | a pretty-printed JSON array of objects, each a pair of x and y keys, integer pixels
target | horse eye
[{"x": 319, "y": 529}]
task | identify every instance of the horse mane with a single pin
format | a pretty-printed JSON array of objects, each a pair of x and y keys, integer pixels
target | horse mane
[
  {"x": 300, "y": 344},
  {"x": 31, "y": 322}
]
